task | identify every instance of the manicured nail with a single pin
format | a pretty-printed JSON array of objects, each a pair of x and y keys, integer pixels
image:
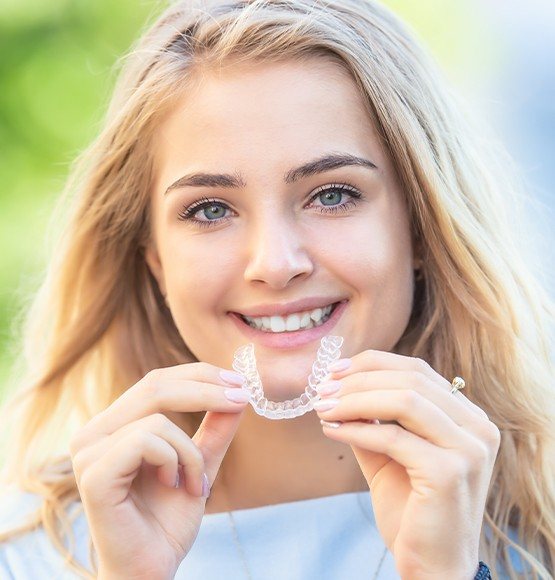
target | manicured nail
[
  {"x": 326, "y": 405},
  {"x": 331, "y": 424},
  {"x": 328, "y": 388},
  {"x": 339, "y": 365},
  {"x": 232, "y": 378},
  {"x": 237, "y": 395},
  {"x": 205, "y": 486}
]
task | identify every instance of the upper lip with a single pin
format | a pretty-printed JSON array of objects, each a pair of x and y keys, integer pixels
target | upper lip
[{"x": 288, "y": 308}]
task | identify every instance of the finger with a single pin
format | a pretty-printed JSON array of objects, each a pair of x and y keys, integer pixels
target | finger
[
  {"x": 201, "y": 371},
  {"x": 108, "y": 479},
  {"x": 213, "y": 438},
  {"x": 376, "y": 360},
  {"x": 155, "y": 394},
  {"x": 409, "y": 450},
  {"x": 188, "y": 454},
  {"x": 401, "y": 380},
  {"x": 409, "y": 408}
]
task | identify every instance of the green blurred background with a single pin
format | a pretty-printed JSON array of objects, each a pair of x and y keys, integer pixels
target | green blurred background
[{"x": 58, "y": 65}]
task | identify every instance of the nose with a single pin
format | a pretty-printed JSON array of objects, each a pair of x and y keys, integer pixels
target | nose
[{"x": 277, "y": 253}]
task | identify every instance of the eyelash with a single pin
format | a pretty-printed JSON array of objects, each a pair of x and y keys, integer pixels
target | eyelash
[{"x": 187, "y": 213}]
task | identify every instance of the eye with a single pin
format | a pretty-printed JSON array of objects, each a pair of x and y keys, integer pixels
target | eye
[
  {"x": 211, "y": 208},
  {"x": 333, "y": 193}
]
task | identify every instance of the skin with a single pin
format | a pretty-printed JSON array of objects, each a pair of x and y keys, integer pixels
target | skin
[
  {"x": 428, "y": 474},
  {"x": 275, "y": 248}
]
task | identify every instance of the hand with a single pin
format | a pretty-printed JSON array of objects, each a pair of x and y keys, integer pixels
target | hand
[
  {"x": 429, "y": 473},
  {"x": 126, "y": 461}
]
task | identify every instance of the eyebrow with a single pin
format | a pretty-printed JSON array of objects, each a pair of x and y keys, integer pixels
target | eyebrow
[{"x": 225, "y": 180}]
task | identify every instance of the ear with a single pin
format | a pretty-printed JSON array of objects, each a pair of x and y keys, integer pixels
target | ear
[{"x": 154, "y": 264}]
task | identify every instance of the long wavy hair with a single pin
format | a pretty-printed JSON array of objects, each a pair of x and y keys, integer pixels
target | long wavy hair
[{"x": 98, "y": 322}]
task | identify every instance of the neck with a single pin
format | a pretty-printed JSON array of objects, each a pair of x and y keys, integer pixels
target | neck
[{"x": 271, "y": 462}]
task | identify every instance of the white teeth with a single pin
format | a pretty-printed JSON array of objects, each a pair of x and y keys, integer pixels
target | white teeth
[
  {"x": 293, "y": 322},
  {"x": 296, "y": 321},
  {"x": 278, "y": 324},
  {"x": 316, "y": 315}
]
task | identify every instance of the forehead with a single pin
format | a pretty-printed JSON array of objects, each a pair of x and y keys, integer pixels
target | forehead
[{"x": 286, "y": 111}]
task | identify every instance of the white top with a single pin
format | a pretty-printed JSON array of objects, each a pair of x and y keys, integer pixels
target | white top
[{"x": 328, "y": 538}]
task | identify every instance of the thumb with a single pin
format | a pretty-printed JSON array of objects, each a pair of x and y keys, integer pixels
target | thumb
[{"x": 213, "y": 438}]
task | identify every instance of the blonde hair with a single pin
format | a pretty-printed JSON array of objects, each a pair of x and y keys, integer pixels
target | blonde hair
[{"x": 89, "y": 333}]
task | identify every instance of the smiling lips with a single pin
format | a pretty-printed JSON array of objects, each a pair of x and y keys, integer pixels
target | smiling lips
[
  {"x": 281, "y": 338},
  {"x": 293, "y": 322}
]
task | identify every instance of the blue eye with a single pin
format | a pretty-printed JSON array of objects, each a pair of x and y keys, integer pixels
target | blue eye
[
  {"x": 213, "y": 208},
  {"x": 329, "y": 195},
  {"x": 331, "y": 192}
]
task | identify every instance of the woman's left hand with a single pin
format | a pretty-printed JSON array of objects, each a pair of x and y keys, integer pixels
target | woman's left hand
[{"x": 429, "y": 474}]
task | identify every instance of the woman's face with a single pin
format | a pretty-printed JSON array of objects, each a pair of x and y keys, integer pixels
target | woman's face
[{"x": 271, "y": 233}]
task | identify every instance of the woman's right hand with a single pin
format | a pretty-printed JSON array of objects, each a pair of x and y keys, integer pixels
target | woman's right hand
[{"x": 126, "y": 461}]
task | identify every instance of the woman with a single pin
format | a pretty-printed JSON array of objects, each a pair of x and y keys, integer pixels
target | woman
[{"x": 261, "y": 160}]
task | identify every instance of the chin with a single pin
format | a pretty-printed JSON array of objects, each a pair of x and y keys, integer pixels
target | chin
[{"x": 284, "y": 390}]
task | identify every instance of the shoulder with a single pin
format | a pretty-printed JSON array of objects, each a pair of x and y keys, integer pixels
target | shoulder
[{"x": 31, "y": 555}]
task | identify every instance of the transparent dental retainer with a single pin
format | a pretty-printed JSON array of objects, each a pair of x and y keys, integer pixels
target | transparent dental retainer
[{"x": 244, "y": 362}]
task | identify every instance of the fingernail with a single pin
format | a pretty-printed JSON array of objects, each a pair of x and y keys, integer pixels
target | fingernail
[
  {"x": 339, "y": 365},
  {"x": 328, "y": 388},
  {"x": 232, "y": 378},
  {"x": 177, "y": 481},
  {"x": 205, "y": 486},
  {"x": 326, "y": 405},
  {"x": 331, "y": 424},
  {"x": 237, "y": 395}
]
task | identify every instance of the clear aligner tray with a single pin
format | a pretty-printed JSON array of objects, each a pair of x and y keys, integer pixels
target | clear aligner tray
[{"x": 244, "y": 362}]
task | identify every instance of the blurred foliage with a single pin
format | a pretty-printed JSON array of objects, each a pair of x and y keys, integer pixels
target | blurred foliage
[{"x": 56, "y": 73}]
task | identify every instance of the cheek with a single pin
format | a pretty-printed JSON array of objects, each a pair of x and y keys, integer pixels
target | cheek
[
  {"x": 380, "y": 275},
  {"x": 379, "y": 269},
  {"x": 375, "y": 252},
  {"x": 200, "y": 273}
]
